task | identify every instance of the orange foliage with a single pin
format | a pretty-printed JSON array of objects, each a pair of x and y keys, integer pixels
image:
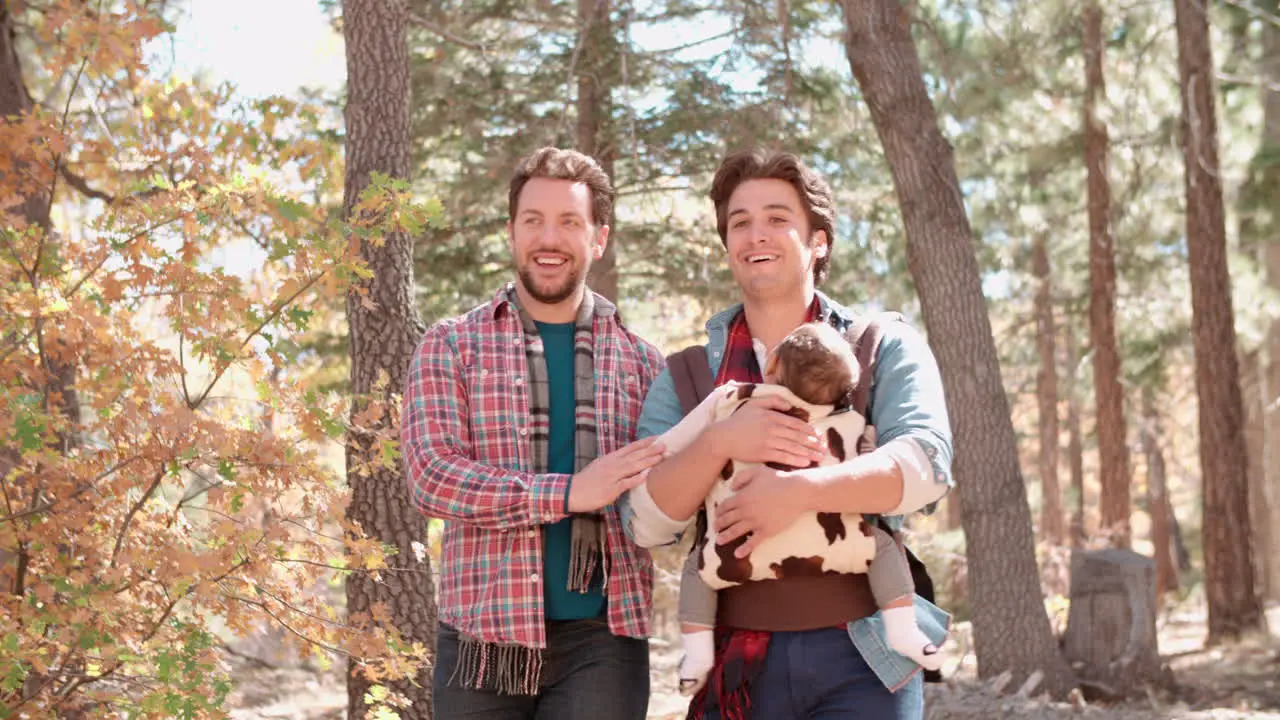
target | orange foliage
[{"x": 178, "y": 480}]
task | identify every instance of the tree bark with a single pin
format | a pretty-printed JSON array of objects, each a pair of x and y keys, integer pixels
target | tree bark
[
  {"x": 15, "y": 102},
  {"x": 29, "y": 184},
  {"x": 1075, "y": 442},
  {"x": 1234, "y": 606},
  {"x": 1260, "y": 237},
  {"x": 1113, "y": 451},
  {"x": 1158, "y": 505},
  {"x": 1011, "y": 629},
  {"x": 1047, "y": 395},
  {"x": 384, "y": 335},
  {"x": 594, "y": 97}
]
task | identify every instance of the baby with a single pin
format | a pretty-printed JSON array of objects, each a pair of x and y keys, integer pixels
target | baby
[{"x": 814, "y": 370}]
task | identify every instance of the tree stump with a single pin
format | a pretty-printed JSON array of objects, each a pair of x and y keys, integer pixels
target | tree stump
[{"x": 1111, "y": 628}]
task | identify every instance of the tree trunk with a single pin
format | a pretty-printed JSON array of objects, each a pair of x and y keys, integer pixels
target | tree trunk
[
  {"x": 1113, "y": 452},
  {"x": 953, "y": 518},
  {"x": 1158, "y": 496},
  {"x": 15, "y": 101},
  {"x": 30, "y": 185},
  {"x": 384, "y": 335},
  {"x": 1234, "y": 605},
  {"x": 1260, "y": 237},
  {"x": 594, "y": 75},
  {"x": 1011, "y": 629},
  {"x": 1047, "y": 395},
  {"x": 1075, "y": 442}
]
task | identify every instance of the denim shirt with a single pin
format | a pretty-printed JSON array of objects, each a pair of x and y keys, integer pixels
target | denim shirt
[{"x": 906, "y": 401}]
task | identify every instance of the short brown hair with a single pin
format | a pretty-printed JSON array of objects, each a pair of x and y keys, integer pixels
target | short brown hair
[
  {"x": 559, "y": 164},
  {"x": 815, "y": 194},
  {"x": 817, "y": 364}
]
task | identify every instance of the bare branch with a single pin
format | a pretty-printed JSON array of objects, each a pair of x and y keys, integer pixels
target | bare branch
[
  {"x": 46, "y": 506},
  {"x": 339, "y": 568},
  {"x": 82, "y": 185},
  {"x": 291, "y": 521},
  {"x": 1255, "y": 11},
  {"x": 128, "y": 519},
  {"x": 734, "y": 32},
  {"x": 418, "y": 21},
  {"x": 270, "y": 318},
  {"x": 263, "y": 607}
]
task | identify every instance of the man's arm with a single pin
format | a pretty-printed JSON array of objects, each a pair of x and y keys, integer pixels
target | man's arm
[
  {"x": 444, "y": 479},
  {"x": 759, "y": 431},
  {"x": 690, "y": 427},
  {"x": 909, "y": 411},
  {"x": 911, "y": 468},
  {"x": 647, "y": 524}
]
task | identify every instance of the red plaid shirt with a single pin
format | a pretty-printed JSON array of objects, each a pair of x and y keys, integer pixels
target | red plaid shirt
[{"x": 465, "y": 439}]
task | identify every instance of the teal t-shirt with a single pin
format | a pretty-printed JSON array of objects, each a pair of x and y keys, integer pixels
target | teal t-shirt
[{"x": 557, "y": 538}]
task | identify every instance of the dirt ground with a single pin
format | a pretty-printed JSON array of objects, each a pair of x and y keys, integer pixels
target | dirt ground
[{"x": 1241, "y": 681}]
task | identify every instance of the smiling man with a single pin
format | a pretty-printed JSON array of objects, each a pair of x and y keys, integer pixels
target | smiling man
[
  {"x": 519, "y": 418},
  {"x": 794, "y": 647}
]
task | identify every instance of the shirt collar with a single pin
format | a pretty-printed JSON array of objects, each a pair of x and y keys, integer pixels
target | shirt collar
[
  {"x": 826, "y": 308},
  {"x": 502, "y": 302}
]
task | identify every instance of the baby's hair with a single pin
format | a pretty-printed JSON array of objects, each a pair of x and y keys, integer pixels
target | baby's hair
[{"x": 816, "y": 363}]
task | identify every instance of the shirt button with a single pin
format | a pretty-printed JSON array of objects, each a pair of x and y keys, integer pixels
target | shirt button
[
  {"x": 531, "y": 533},
  {"x": 519, "y": 380},
  {"x": 515, "y": 341},
  {"x": 524, "y": 431},
  {"x": 533, "y": 577},
  {"x": 715, "y": 354}
]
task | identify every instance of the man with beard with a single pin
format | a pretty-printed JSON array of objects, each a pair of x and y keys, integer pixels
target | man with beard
[
  {"x": 519, "y": 418},
  {"x": 805, "y": 646}
]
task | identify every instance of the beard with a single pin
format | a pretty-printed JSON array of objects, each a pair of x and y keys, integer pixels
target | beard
[{"x": 554, "y": 292}]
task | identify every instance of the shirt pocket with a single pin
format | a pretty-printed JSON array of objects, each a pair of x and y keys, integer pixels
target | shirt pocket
[
  {"x": 497, "y": 433},
  {"x": 617, "y": 419}
]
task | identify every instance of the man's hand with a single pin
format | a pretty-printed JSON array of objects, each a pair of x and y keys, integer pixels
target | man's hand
[
  {"x": 608, "y": 476},
  {"x": 767, "y": 501},
  {"x": 760, "y": 432}
]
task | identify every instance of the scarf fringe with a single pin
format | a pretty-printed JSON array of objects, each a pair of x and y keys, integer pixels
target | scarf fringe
[
  {"x": 587, "y": 553},
  {"x": 505, "y": 669}
]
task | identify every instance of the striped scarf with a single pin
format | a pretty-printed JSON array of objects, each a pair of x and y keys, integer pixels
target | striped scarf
[{"x": 588, "y": 553}]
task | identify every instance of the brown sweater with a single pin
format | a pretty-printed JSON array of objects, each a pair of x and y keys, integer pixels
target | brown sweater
[{"x": 797, "y": 603}]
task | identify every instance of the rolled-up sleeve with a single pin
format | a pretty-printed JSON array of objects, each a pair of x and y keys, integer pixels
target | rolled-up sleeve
[
  {"x": 644, "y": 521},
  {"x": 909, "y": 411}
]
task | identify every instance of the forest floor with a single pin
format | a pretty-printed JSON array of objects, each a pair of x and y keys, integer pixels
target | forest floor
[{"x": 1239, "y": 681}]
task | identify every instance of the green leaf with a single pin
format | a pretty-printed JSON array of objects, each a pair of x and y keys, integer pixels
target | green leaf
[
  {"x": 290, "y": 209},
  {"x": 28, "y": 431},
  {"x": 332, "y": 428},
  {"x": 376, "y": 694},
  {"x": 226, "y": 470},
  {"x": 299, "y": 317}
]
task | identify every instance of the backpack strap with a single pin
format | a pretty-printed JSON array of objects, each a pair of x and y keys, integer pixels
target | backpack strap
[
  {"x": 691, "y": 374},
  {"x": 865, "y": 334}
]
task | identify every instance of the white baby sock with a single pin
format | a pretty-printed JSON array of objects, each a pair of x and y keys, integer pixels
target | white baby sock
[
  {"x": 699, "y": 656},
  {"x": 906, "y": 639}
]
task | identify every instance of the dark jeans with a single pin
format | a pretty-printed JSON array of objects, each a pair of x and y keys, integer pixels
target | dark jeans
[
  {"x": 587, "y": 672},
  {"x": 820, "y": 675}
]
